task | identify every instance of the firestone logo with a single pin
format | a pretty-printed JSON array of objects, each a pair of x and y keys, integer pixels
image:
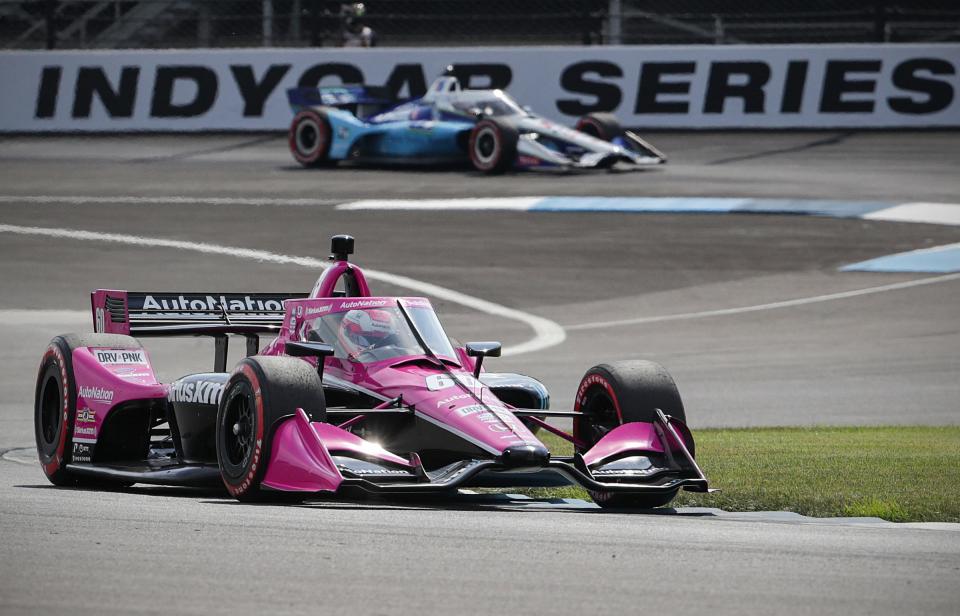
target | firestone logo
[{"x": 593, "y": 379}]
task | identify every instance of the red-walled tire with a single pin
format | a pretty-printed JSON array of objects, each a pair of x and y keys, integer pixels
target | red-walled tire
[
  {"x": 493, "y": 146},
  {"x": 621, "y": 392},
  {"x": 55, "y": 403},
  {"x": 309, "y": 139},
  {"x": 604, "y": 126},
  {"x": 261, "y": 392}
]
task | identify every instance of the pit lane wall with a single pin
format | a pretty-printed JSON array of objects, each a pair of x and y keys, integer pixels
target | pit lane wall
[{"x": 668, "y": 87}]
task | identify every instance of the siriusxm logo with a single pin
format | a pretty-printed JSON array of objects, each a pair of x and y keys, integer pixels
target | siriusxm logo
[{"x": 198, "y": 392}]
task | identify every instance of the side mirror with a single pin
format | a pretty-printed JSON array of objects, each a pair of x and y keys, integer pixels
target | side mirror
[
  {"x": 481, "y": 350},
  {"x": 319, "y": 350}
]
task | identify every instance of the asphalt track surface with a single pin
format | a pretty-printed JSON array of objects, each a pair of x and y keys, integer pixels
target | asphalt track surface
[{"x": 887, "y": 357}]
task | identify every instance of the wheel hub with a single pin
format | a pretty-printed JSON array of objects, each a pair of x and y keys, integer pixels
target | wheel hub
[
  {"x": 599, "y": 415},
  {"x": 486, "y": 144},
  {"x": 308, "y": 137},
  {"x": 239, "y": 437},
  {"x": 50, "y": 411}
]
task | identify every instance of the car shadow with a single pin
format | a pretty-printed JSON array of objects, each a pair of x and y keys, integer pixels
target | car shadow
[
  {"x": 494, "y": 503},
  {"x": 461, "y": 501},
  {"x": 174, "y": 491},
  {"x": 456, "y": 169}
]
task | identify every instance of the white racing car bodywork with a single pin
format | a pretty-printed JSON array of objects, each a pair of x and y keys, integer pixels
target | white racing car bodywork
[
  {"x": 536, "y": 134},
  {"x": 448, "y": 123}
]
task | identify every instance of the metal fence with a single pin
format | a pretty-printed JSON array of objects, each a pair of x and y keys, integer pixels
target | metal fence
[{"x": 85, "y": 24}]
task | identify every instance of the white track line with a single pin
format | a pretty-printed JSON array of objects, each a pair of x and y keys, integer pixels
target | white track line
[
  {"x": 22, "y": 455},
  {"x": 771, "y": 306},
  {"x": 479, "y": 203},
  {"x": 158, "y": 200},
  {"x": 547, "y": 333},
  {"x": 10, "y": 318}
]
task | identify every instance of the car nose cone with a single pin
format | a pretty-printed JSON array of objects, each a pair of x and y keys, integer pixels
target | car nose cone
[{"x": 525, "y": 456}]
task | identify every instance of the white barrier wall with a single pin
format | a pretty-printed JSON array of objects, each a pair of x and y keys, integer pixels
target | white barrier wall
[{"x": 774, "y": 86}]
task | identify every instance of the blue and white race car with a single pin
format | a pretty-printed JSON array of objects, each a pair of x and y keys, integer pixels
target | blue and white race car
[{"x": 450, "y": 124}]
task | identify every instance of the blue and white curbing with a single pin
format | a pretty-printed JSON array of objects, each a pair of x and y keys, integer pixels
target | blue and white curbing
[
  {"x": 940, "y": 259},
  {"x": 933, "y": 213}
]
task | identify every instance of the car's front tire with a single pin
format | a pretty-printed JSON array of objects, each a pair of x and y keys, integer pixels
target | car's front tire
[
  {"x": 622, "y": 392},
  {"x": 261, "y": 392},
  {"x": 603, "y": 126},
  {"x": 493, "y": 146}
]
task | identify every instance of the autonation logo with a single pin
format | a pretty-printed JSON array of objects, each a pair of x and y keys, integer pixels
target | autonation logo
[{"x": 100, "y": 394}]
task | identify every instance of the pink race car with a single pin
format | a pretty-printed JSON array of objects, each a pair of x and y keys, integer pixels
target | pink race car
[{"x": 355, "y": 393}]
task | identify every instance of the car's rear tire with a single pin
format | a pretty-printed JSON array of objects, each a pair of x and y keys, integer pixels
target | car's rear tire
[
  {"x": 261, "y": 392},
  {"x": 493, "y": 146},
  {"x": 55, "y": 403},
  {"x": 604, "y": 126},
  {"x": 309, "y": 139},
  {"x": 621, "y": 392}
]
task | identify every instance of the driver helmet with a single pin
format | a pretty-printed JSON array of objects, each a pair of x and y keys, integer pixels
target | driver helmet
[{"x": 366, "y": 329}]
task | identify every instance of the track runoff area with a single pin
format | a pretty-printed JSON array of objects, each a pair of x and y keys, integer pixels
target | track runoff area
[{"x": 753, "y": 314}]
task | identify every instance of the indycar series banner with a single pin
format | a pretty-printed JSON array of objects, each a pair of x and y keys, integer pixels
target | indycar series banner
[{"x": 668, "y": 87}]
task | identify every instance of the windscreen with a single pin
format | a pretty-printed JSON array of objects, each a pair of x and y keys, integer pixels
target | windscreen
[
  {"x": 496, "y": 106},
  {"x": 367, "y": 335}
]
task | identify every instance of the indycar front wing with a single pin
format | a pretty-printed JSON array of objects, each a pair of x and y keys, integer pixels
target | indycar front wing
[{"x": 321, "y": 458}]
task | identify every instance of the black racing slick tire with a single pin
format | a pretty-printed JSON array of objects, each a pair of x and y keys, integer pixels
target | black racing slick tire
[
  {"x": 621, "y": 392},
  {"x": 55, "y": 402},
  {"x": 603, "y": 126},
  {"x": 493, "y": 146},
  {"x": 310, "y": 138},
  {"x": 260, "y": 393}
]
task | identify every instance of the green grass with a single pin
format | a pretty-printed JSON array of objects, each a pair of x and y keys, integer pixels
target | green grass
[{"x": 901, "y": 474}]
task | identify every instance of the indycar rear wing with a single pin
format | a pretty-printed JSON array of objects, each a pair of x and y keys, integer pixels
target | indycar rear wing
[
  {"x": 140, "y": 314},
  {"x": 340, "y": 97}
]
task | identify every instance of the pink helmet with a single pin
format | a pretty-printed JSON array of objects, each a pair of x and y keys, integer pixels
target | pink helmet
[{"x": 364, "y": 329}]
